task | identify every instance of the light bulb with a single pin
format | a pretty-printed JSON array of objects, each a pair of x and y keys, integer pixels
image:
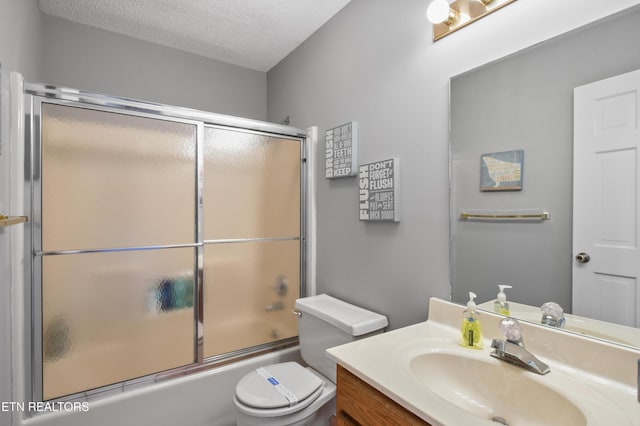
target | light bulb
[{"x": 438, "y": 11}]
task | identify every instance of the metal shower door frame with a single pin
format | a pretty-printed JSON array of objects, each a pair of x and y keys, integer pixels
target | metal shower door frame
[{"x": 35, "y": 94}]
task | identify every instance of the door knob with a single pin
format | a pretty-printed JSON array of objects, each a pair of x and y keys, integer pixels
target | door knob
[{"x": 582, "y": 257}]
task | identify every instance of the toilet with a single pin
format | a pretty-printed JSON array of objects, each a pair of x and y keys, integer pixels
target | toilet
[{"x": 290, "y": 394}]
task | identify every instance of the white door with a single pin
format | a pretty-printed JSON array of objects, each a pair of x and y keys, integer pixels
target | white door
[{"x": 606, "y": 180}]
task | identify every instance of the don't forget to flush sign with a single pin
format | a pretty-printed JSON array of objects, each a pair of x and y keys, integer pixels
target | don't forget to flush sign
[{"x": 378, "y": 184}]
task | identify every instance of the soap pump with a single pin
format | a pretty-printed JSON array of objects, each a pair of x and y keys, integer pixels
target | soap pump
[
  {"x": 501, "y": 306},
  {"x": 471, "y": 330}
]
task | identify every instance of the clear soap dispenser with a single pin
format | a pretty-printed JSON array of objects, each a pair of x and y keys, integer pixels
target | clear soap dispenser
[
  {"x": 501, "y": 306},
  {"x": 471, "y": 330}
]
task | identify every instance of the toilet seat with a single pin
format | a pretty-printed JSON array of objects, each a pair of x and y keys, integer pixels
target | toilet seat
[{"x": 277, "y": 390}]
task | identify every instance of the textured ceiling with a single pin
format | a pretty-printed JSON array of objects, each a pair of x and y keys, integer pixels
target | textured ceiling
[{"x": 255, "y": 34}]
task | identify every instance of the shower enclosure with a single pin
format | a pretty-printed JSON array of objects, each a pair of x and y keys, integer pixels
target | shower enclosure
[{"x": 161, "y": 239}]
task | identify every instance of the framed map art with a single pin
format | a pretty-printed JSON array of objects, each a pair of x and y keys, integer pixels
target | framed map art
[{"x": 502, "y": 171}]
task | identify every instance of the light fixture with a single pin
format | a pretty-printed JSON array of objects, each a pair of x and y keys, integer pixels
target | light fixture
[
  {"x": 449, "y": 17},
  {"x": 440, "y": 12}
]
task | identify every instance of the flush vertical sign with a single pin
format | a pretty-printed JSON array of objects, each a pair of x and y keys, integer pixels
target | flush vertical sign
[
  {"x": 341, "y": 151},
  {"x": 378, "y": 184}
]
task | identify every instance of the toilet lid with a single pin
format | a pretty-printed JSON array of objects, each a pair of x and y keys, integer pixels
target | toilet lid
[{"x": 278, "y": 385}]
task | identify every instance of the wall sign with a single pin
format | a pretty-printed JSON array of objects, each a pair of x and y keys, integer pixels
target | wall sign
[
  {"x": 501, "y": 171},
  {"x": 341, "y": 151},
  {"x": 379, "y": 191}
]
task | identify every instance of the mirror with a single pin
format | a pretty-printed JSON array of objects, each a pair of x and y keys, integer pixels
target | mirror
[
  {"x": 525, "y": 102},
  {"x": 1, "y": 90}
]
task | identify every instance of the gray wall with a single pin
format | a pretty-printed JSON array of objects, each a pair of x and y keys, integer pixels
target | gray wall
[
  {"x": 55, "y": 51},
  {"x": 20, "y": 49},
  {"x": 88, "y": 58},
  {"x": 357, "y": 67},
  {"x": 526, "y": 102},
  {"x": 375, "y": 63}
]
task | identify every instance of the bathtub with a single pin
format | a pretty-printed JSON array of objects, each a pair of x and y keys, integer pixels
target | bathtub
[{"x": 202, "y": 399}]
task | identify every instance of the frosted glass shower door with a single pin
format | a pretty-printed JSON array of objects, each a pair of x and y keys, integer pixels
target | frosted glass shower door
[
  {"x": 109, "y": 317},
  {"x": 252, "y": 254},
  {"x": 117, "y": 252},
  {"x": 115, "y": 180}
]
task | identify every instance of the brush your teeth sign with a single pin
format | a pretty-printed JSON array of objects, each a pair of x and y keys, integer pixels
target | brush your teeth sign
[
  {"x": 378, "y": 184},
  {"x": 341, "y": 150}
]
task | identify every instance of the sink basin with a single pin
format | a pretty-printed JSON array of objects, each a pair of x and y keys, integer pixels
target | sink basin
[
  {"x": 423, "y": 368},
  {"x": 493, "y": 390}
]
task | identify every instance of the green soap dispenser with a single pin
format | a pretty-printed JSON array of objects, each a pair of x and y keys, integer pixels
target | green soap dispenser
[
  {"x": 471, "y": 330},
  {"x": 501, "y": 306}
]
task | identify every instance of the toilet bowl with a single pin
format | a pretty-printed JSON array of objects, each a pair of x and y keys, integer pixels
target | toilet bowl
[
  {"x": 307, "y": 399},
  {"x": 287, "y": 393}
]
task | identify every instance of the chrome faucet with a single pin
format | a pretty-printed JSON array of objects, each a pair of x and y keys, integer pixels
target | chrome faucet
[
  {"x": 512, "y": 348},
  {"x": 277, "y": 306}
]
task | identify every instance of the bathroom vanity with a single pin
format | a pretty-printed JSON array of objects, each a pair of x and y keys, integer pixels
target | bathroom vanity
[
  {"x": 358, "y": 403},
  {"x": 420, "y": 375}
]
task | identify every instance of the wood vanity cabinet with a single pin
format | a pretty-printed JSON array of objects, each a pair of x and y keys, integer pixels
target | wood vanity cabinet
[{"x": 357, "y": 403}]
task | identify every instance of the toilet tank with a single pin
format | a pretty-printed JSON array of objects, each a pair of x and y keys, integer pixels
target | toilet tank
[{"x": 327, "y": 322}]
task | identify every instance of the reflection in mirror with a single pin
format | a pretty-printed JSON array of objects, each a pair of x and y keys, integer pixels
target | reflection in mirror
[
  {"x": 0, "y": 108},
  {"x": 525, "y": 102},
  {"x": 616, "y": 333}
]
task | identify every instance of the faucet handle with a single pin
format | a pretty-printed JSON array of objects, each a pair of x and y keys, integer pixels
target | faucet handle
[
  {"x": 512, "y": 330},
  {"x": 552, "y": 314}
]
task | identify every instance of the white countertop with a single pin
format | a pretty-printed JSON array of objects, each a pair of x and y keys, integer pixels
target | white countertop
[{"x": 597, "y": 377}]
